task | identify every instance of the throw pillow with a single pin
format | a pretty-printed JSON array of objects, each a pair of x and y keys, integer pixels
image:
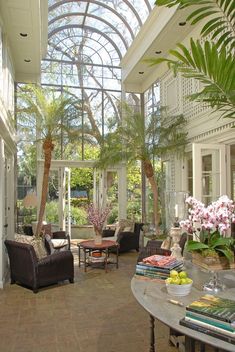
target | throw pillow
[
  {"x": 127, "y": 229},
  {"x": 166, "y": 244},
  {"x": 126, "y": 223},
  {"x": 37, "y": 244}
]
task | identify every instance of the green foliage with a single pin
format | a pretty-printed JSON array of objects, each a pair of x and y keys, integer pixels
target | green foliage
[
  {"x": 78, "y": 215},
  {"x": 213, "y": 242},
  {"x": 145, "y": 140},
  {"x": 82, "y": 178},
  {"x": 79, "y": 202},
  {"x": 44, "y": 112},
  {"x": 134, "y": 210},
  {"x": 52, "y": 212},
  {"x": 138, "y": 139},
  {"x": 113, "y": 216},
  {"x": 211, "y": 63}
]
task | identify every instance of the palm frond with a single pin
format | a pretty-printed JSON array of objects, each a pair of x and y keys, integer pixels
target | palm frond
[{"x": 214, "y": 69}]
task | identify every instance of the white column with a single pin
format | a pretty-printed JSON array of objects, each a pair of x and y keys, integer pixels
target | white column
[
  {"x": 122, "y": 192},
  {"x": 61, "y": 204},
  {"x": 2, "y": 207}
]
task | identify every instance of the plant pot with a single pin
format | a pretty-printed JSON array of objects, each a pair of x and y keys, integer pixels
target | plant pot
[{"x": 212, "y": 263}]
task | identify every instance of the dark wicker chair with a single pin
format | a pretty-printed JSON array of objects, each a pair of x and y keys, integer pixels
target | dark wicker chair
[
  {"x": 129, "y": 240},
  {"x": 62, "y": 235},
  {"x": 26, "y": 269}
]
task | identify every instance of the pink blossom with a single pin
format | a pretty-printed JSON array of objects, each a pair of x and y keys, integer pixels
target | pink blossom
[
  {"x": 216, "y": 216},
  {"x": 97, "y": 216}
]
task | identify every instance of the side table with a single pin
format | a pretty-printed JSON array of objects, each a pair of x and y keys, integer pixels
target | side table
[{"x": 89, "y": 246}]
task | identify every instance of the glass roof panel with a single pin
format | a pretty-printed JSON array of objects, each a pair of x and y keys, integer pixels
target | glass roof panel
[
  {"x": 86, "y": 42},
  {"x": 118, "y": 21}
]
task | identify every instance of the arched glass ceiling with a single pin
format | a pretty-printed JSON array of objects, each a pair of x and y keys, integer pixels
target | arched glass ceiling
[
  {"x": 102, "y": 29},
  {"x": 86, "y": 41}
]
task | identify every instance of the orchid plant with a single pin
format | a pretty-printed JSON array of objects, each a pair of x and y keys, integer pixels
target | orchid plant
[
  {"x": 97, "y": 216},
  {"x": 210, "y": 227}
]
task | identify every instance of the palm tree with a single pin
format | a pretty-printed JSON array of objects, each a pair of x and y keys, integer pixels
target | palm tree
[
  {"x": 45, "y": 113},
  {"x": 211, "y": 62},
  {"x": 143, "y": 139}
]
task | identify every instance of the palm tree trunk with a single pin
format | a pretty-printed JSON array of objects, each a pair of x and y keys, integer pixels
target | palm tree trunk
[
  {"x": 48, "y": 147},
  {"x": 149, "y": 172}
]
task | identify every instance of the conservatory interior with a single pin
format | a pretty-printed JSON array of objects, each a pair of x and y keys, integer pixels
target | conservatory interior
[{"x": 116, "y": 138}]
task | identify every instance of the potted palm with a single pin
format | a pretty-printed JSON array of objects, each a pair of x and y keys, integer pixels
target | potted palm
[
  {"x": 212, "y": 246},
  {"x": 46, "y": 113},
  {"x": 138, "y": 138}
]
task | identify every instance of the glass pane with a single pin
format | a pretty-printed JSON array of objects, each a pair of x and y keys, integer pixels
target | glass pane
[{"x": 210, "y": 175}]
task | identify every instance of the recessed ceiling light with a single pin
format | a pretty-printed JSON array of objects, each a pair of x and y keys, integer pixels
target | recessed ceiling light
[
  {"x": 27, "y": 60},
  {"x": 158, "y": 52},
  {"x": 182, "y": 24},
  {"x": 23, "y": 34},
  {"x": 141, "y": 72}
]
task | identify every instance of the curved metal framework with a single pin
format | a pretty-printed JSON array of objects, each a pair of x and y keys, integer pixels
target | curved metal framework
[{"x": 87, "y": 40}]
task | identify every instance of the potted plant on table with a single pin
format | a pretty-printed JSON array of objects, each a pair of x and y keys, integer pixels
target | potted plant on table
[
  {"x": 212, "y": 245},
  {"x": 97, "y": 217}
]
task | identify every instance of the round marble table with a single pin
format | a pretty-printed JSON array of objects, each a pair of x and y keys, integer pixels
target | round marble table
[{"x": 153, "y": 296}]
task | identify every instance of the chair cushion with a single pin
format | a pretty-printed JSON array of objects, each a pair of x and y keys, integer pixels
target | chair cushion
[
  {"x": 37, "y": 244},
  {"x": 59, "y": 242}
]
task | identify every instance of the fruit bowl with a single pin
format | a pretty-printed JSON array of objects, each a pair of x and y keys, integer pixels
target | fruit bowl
[{"x": 179, "y": 290}]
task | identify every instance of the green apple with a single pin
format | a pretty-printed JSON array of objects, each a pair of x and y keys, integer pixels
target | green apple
[
  {"x": 188, "y": 280},
  {"x": 168, "y": 280},
  {"x": 183, "y": 274},
  {"x": 175, "y": 281},
  {"x": 174, "y": 273},
  {"x": 183, "y": 281}
]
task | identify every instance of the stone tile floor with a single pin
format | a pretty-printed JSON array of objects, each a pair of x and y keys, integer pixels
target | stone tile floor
[{"x": 97, "y": 313}]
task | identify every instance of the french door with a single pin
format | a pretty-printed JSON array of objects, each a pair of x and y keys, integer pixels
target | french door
[
  {"x": 64, "y": 200},
  {"x": 209, "y": 171}
]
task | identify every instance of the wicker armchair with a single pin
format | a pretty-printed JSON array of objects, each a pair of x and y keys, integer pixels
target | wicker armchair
[
  {"x": 129, "y": 240},
  {"x": 57, "y": 241},
  {"x": 154, "y": 247},
  {"x": 27, "y": 269}
]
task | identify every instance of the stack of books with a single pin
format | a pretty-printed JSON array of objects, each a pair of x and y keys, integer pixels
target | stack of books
[
  {"x": 158, "y": 267},
  {"x": 213, "y": 316}
]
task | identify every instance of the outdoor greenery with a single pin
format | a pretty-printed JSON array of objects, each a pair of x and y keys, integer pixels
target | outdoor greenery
[
  {"x": 210, "y": 60},
  {"x": 78, "y": 215}
]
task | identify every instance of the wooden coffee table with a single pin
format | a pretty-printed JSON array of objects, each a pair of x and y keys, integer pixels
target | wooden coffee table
[{"x": 104, "y": 248}]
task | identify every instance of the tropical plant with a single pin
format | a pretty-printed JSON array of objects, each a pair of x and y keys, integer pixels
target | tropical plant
[
  {"x": 137, "y": 138},
  {"x": 46, "y": 113},
  {"x": 211, "y": 62},
  {"x": 210, "y": 226}
]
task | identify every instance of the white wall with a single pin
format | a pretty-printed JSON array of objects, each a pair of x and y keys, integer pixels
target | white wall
[{"x": 7, "y": 151}]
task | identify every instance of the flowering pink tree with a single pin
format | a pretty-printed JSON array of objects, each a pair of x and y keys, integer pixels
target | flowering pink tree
[
  {"x": 97, "y": 216},
  {"x": 210, "y": 226}
]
